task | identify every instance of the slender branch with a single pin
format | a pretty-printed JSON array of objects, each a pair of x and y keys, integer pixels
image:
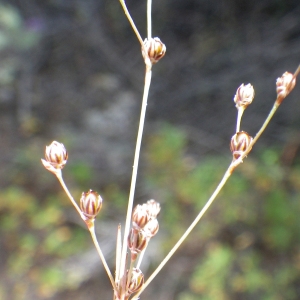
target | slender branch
[
  {"x": 131, "y": 21},
  {"x": 61, "y": 181},
  {"x": 94, "y": 238},
  {"x": 118, "y": 253},
  {"x": 149, "y": 19},
  {"x": 239, "y": 118},
  {"x": 141, "y": 256},
  {"x": 135, "y": 170}
]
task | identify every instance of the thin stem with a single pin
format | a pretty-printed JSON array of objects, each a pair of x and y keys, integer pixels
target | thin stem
[
  {"x": 131, "y": 21},
  {"x": 135, "y": 169},
  {"x": 61, "y": 181},
  {"x": 129, "y": 274},
  {"x": 141, "y": 256},
  {"x": 94, "y": 238},
  {"x": 118, "y": 254},
  {"x": 239, "y": 118},
  {"x": 149, "y": 19}
]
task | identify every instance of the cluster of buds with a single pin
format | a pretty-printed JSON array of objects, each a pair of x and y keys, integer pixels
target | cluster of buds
[
  {"x": 144, "y": 226},
  {"x": 241, "y": 142},
  {"x": 153, "y": 48}
]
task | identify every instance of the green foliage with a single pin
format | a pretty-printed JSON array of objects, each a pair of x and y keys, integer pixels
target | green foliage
[
  {"x": 34, "y": 235},
  {"x": 248, "y": 245}
]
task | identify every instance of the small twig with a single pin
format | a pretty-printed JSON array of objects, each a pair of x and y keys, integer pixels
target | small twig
[
  {"x": 239, "y": 118},
  {"x": 135, "y": 170},
  {"x": 149, "y": 19},
  {"x": 141, "y": 256},
  {"x": 61, "y": 181},
  {"x": 131, "y": 21},
  {"x": 91, "y": 228}
]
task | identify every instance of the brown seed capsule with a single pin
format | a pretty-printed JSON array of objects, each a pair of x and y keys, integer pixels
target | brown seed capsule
[
  {"x": 56, "y": 156},
  {"x": 151, "y": 228},
  {"x": 284, "y": 85},
  {"x": 153, "y": 208},
  {"x": 155, "y": 49},
  {"x": 137, "y": 242},
  {"x": 244, "y": 95},
  {"x": 140, "y": 217},
  {"x": 240, "y": 143},
  {"x": 136, "y": 281},
  {"x": 90, "y": 204}
]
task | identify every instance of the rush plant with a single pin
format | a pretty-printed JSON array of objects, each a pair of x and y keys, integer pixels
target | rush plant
[{"x": 141, "y": 221}]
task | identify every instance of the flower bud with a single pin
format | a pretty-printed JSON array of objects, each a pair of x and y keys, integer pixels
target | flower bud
[
  {"x": 153, "y": 208},
  {"x": 56, "y": 156},
  {"x": 137, "y": 242},
  {"x": 151, "y": 228},
  {"x": 244, "y": 95},
  {"x": 140, "y": 217},
  {"x": 155, "y": 49},
  {"x": 284, "y": 85},
  {"x": 240, "y": 143},
  {"x": 136, "y": 281},
  {"x": 90, "y": 204}
]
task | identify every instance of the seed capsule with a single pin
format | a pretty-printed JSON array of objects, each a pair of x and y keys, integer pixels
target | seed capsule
[
  {"x": 90, "y": 204},
  {"x": 155, "y": 49},
  {"x": 240, "y": 143},
  {"x": 151, "y": 228},
  {"x": 284, "y": 85},
  {"x": 153, "y": 208},
  {"x": 137, "y": 242},
  {"x": 140, "y": 217},
  {"x": 136, "y": 281},
  {"x": 244, "y": 95},
  {"x": 56, "y": 157}
]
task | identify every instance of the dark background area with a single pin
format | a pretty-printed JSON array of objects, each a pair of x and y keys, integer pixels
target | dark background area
[{"x": 72, "y": 71}]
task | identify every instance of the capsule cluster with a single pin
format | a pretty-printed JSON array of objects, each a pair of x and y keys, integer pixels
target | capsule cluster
[
  {"x": 144, "y": 226},
  {"x": 241, "y": 141}
]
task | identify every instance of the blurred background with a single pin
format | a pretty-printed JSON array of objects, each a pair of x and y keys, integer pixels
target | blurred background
[{"x": 71, "y": 70}]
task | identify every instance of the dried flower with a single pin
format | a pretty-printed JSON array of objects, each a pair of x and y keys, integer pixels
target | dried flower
[
  {"x": 284, "y": 85},
  {"x": 140, "y": 217},
  {"x": 136, "y": 281},
  {"x": 153, "y": 208},
  {"x": 151, "y": 228},
  {"x": 240, "y": 143},
  {"x": 90, "y": 204},
  {"x": 56, "y": 157},
  {"x": 155, "y": 49},
  {"x": 137, "y": 242},
  {"x": 244, "y": 95}
]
